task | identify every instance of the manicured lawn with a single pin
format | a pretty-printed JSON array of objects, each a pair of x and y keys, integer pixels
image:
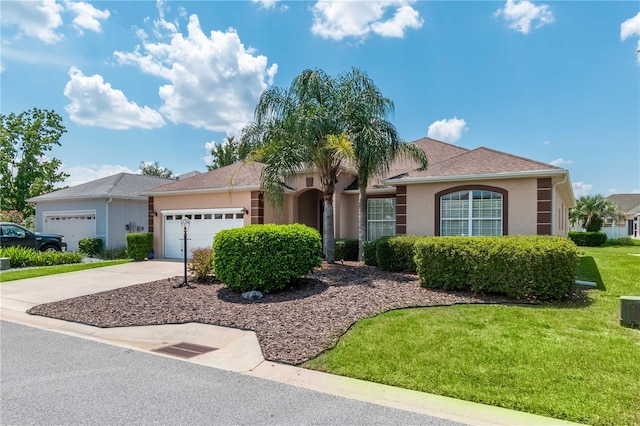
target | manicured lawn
[
  {"x": 568, "y": 361},
  {"x": 20, "y": 274}
]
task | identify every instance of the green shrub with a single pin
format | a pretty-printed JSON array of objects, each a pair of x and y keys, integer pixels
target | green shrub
[
  {"x": 265, "y": 258},
  {"x": 139, "y": 245},
  {"x": 347, "y": 249},
  {"x": 90, "y": 246},
  {"x": 114, "y": 253},
  {"x": 201, "y": 263},
  {"x": 396, "y": 253},
  {"x": 625, "y": 241},
  {"x": 369, "y": 253},
  {"x": 522, "y": 267},
  {"x": 588, "y": 239},
  {"x": 20, "y": 257}
]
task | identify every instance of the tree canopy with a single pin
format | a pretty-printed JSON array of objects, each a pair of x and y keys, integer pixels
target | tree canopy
[
  {"x": 591, "y": 211},
  {"x": 155, "y": 169},
  {"x": 26, "y": 170},
  {"x": 228, "y": 152}
]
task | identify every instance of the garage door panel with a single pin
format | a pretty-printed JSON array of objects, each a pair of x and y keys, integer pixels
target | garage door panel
[
  {"x": 202, "y": 230},
  {"x": 73, "y": 226}
]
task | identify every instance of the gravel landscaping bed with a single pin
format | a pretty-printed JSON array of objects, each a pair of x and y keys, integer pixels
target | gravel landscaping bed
[{"x": 292, "y": 326}]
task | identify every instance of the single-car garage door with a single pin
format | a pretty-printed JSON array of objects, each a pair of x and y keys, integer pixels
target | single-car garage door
[
  {"x": 73, "y": 225},
  {"x": 204, "y": 225}
]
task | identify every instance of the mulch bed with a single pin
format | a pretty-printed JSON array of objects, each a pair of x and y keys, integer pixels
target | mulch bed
[{"x": 292, "y": 326}]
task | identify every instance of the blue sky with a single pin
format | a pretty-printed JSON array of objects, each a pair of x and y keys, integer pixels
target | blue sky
[{"x": 554, "y": 81}]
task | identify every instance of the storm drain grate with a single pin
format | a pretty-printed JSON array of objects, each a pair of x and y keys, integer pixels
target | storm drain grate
[{"x": 185, "y": 350}]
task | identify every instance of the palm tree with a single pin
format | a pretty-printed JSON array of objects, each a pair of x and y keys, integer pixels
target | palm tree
[
  {"x": 296, "y": 131},
  {"x": 591, "y": 210},
  {"x": 364, "y": 112}
]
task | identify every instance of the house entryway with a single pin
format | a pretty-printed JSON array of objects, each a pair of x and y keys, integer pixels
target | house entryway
[{"x": 310, "y": 209}]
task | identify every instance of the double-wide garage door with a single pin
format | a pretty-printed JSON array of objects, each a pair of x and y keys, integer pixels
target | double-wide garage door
[
  {"x": 203, "y": 226},
  {"x": 72, "y": 225}
]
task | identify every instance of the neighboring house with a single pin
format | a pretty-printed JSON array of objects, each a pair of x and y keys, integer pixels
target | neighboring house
[
  {"x": 107, "y": 208},
  {"x": 630, "y": 205},
  {"x": 463, "y": 192}
]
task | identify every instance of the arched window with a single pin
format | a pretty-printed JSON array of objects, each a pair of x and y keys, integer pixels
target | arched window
[{"x": 477, "y": 211}]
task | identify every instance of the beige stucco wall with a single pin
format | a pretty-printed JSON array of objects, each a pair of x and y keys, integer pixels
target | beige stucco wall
[
  {"x": 522, "y": 196},
  {"x": 563, "y": 202},
  {"x": 348, "y": 217}
]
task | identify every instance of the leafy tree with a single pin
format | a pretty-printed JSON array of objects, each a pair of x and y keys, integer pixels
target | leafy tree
[
  {"x": 364, "y": 111},
  {"x": 154, "y": 169},
  {"x": 296, "y": 130},
  {"x": 25, "y": 169},
  {"x": 229, "y": 152},
  {"x": 591, "y": 211}
]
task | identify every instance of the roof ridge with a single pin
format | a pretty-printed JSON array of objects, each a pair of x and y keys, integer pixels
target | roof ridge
[{"x": 117, "y": 181}]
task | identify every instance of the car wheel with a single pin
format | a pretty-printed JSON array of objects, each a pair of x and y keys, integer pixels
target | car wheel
[{"x": 50, "y": 248}]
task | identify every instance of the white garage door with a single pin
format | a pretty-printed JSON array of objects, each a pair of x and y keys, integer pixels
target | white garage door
[
  {"x": 73, "y": 225},
  {"x": 205, "y": 224}
]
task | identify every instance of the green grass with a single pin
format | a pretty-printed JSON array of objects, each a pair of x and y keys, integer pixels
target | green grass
[
  {"x": 570, "y": 361},
  {"x": 21, "y": 274}
]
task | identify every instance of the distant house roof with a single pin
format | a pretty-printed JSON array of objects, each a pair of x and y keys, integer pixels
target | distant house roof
[
  {"x": 238, "y": 175},
  {"x": 628, "y": 203},
  {"x": 121, "y": 185}
]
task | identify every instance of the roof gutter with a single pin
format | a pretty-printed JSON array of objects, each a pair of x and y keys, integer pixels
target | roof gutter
[{"x": 485, "y": 176}]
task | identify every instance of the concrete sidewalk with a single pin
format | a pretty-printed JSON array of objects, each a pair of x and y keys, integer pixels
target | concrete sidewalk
[{"x": 237, "y": 350}]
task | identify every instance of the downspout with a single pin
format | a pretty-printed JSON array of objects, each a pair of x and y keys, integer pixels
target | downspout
[
  {"x": 106, "y": 223},
  {"x": 553, "y": 203}
]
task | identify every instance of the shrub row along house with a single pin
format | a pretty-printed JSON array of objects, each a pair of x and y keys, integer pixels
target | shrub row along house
[{"x": 462, "y": 192}]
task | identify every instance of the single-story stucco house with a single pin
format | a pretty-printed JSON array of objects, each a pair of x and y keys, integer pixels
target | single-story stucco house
[
  {"x": 463, "y": 192},
  {"x": 630, "y": 205},
  {"x": 107, "y": 208}
]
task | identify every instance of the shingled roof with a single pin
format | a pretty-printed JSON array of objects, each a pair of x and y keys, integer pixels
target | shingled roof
[
  {"x": 243, "y": 175},
  {"x": 121, "y": 185},
  {"x": 628, "y": 203}
]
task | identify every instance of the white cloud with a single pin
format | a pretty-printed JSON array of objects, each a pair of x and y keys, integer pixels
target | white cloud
[
  {"x": 96, "y": 103},
  {"x": 630, "y": 27},
  {"x": 339, "y": 19},
  {"x": 215, "y": 81},
  {"x": 447, "y": 130},
  {"x": 83, "y": 174},
  {"x": 87, "y": 16},
  {"x": 547, "y": 142},
  {"x": 581, "y": 188},
  {"x": 560, "y": 162},
  {"x": 38, "y": 19},
  {"x": 523, "y": 14},
  {"x": 267, "y": 4},
  {"x": 208, "y": 158}
]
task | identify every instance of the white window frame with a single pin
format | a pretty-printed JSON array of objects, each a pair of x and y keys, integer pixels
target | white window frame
[
  {"x": 373, "y": 221},
  {"x": 469, "y": 218}
]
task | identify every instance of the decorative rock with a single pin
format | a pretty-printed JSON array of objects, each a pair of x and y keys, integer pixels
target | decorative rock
[{"x": 252, "y": 295}]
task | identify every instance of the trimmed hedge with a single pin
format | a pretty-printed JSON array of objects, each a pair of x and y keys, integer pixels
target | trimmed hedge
[
  {"x": 396, "y": 253},
  {"x": 139, "y": 245},
  {"x": 267, "y": 257},
  {"x": 521, "y": 267},
  {"x": 20, "y": 257},
  {"x": 90, "y": 246},
  {"x": 588, "y": 239},
  {"x": 347, "y": 249},
  {"x": 369, "y": 253}
]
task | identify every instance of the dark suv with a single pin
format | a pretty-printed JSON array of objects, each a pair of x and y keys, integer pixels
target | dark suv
[{"x": 12, "y": 234}]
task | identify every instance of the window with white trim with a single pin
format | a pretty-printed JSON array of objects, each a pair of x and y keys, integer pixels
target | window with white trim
[
  {"x": 482, "y": 216},
  {"x": 381, "y": 218}
]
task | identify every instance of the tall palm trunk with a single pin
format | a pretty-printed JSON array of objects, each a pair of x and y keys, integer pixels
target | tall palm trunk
[
  {"x": 362, "y": 220},
  {"x": 329, "y": 238}
]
